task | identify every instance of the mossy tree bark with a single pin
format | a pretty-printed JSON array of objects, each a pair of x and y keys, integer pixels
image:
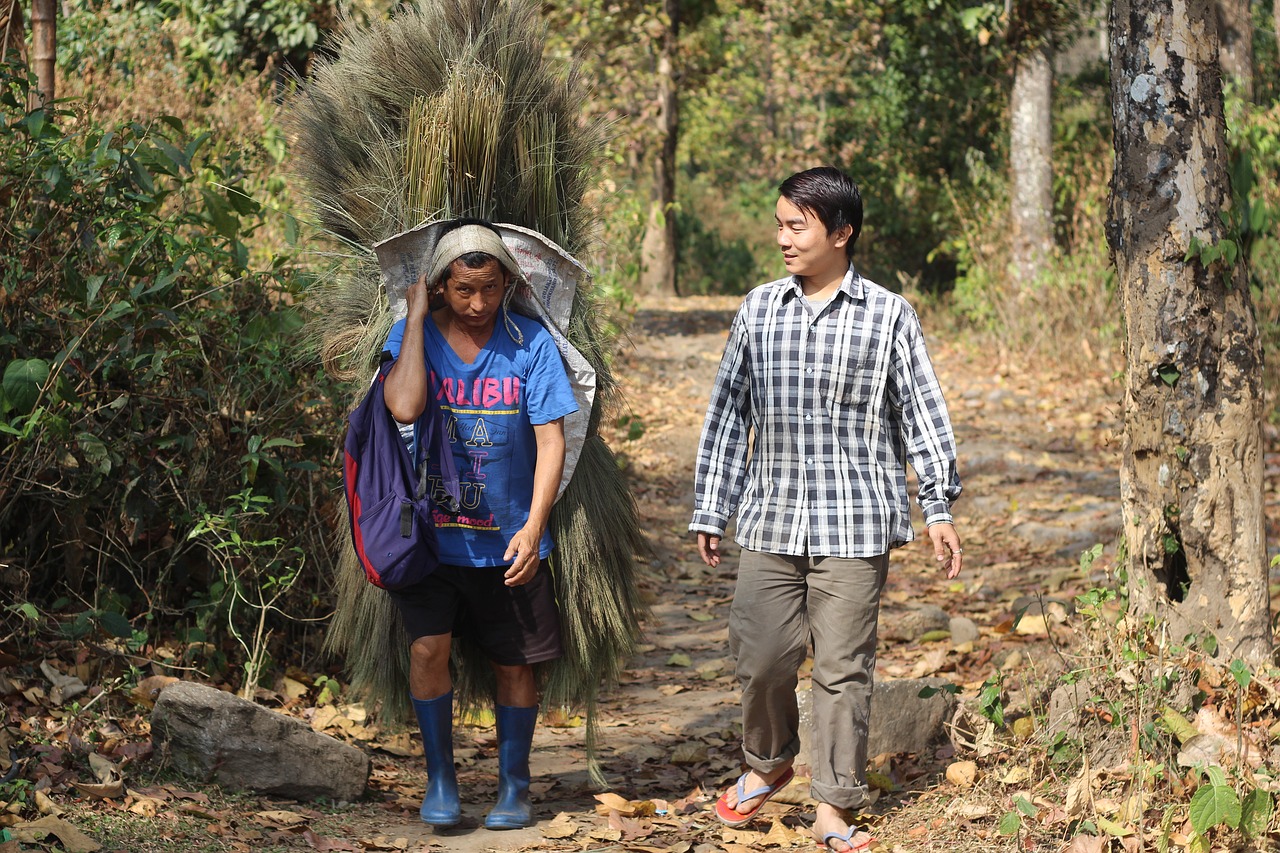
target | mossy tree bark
[{"x": 1191, "y": 478}]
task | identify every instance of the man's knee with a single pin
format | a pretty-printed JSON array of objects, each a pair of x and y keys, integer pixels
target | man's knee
[
  {"x": 516, "y": 685},
  {"x": 430, "y": 654},
  {"x": 518, "y": 674},
  {"x": 778, "y": 668}
]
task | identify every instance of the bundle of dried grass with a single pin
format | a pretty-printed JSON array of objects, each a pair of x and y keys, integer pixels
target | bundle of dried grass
[{"x": 449, "y": 109}]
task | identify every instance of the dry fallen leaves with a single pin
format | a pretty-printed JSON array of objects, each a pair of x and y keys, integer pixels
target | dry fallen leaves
[
  {"x": 1016, "y": 776},
  {"x": 400, "y": 744},
  {"x": 606, "y": 833},
  {"x": 145, "y": 806},
  {"x": 688, "y": 754},
  {"x": 37, "y": 831},
  {"x": 1086, "y": 844},
  {"x": 796, "y": 792},
  {"x": 65, "y": 687},
  {"x": 779, "y": 835},
  {"x": 202, "y": 812},
  {"x": 148, "y": 690},
  {"x": 962, "y": 774},
  {"x": 110, "y": 785},
  {"x": 1079, "y": 793},
  {"x": 968, "y": 811},
  {"x": 46, "y": 806},
  {"x": 562, "y": 826},
  {"x": 630, "y": 827},
  {"x": 740, "y": 836},
  {"x": 610, "y": 802},
  {"x": 325, "y": 845},
  {"x": 281, "y": 818}
]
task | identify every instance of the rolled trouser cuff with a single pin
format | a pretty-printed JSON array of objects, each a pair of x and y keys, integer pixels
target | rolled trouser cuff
[
  {"x": 766, "y": 766},
  {"x": 841, "y": 798}
]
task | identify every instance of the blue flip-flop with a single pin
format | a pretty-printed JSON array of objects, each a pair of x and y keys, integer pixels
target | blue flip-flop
[
  {"x": 847, "y": 838},
  {"x": 733, "y": 817}
]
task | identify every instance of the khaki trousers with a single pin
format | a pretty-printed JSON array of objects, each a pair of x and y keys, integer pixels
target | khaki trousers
[{"x": 779, "y": 604}]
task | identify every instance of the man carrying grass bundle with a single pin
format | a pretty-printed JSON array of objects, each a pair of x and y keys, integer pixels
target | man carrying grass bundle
[
  {"x": 503, "y": 393},
  {"x": 447, "y": 109},
  {"x": 824, "y": 393}
]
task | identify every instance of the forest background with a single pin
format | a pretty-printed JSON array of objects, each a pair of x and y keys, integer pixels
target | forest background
[{"x": 168, "y": 445}]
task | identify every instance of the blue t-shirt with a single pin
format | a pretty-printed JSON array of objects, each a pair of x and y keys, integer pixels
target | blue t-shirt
[{"x": 489, "y": 408}]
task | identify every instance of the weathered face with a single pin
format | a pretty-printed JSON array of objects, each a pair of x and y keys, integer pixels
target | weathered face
[
  {"x": 808, "y": 249},
  {"x": 475, "y": 295}
]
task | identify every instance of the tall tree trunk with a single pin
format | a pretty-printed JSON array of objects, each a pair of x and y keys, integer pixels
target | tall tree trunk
[
  {"x": 13, "y": 35},
  {"x": 1235, "y": 28},
  {"x": 1031, "y": 164},
  {"x": 44, "y": 31},
  {"x": 658, "y": 251},
  {"x": 1191, "y": 476},
  {"x": 767, "y": 29}
]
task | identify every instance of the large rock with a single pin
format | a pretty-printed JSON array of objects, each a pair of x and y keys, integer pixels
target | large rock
[
  {"x": 217, "y": 737},
  {"x": 917, "y": 621},
  {"x": 963, "y": 630},
  {"x": 901, "y": 721}
]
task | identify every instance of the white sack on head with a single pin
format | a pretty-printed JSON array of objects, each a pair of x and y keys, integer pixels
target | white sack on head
[{"x": 545, "y": 291}]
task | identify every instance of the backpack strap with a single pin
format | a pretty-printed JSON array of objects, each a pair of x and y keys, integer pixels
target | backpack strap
[{"x": 431, "y": 435}]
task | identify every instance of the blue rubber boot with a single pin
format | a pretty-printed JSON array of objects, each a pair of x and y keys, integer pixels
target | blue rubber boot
[
  {"x": 440, "y": 807},
  {"x": 515, "y": 739}
]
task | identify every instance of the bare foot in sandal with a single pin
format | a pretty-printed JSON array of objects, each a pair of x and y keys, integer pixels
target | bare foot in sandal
[
  {"x": 835, "y": 829},
  {"x": 742, "y": 800}
]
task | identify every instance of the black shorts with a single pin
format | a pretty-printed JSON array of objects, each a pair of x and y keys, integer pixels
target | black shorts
[{"x": 512, "y": 625}]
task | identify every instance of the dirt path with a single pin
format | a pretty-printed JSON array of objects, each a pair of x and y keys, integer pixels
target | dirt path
[{"x": 1039, "y": 462}]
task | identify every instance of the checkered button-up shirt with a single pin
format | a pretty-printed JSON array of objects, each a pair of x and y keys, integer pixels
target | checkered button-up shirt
[{"x": 813, "y": 417}]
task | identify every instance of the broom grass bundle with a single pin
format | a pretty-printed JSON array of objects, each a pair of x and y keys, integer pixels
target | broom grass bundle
[
  {"x": 356, "y": 108},
  {"x": 426, "y": 154},
  {"x": 449, "y": 109}
]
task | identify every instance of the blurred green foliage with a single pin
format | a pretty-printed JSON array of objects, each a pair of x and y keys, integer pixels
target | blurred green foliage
[{"x": 212, "y": 36}]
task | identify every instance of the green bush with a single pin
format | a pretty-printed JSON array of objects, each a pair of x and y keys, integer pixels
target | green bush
[
  {"x": 726, "y": 237},
  {"x": 1256, "y": 160},
  {"x": 712, "y": 263},
  {"x": 163, "y": 452}
]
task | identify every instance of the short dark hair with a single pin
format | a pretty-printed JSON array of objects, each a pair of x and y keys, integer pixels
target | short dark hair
[
  {"x": 474, "y": 261},
  {"x": 829, "y": 194}
]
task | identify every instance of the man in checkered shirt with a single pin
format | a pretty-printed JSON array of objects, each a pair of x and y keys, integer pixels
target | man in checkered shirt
[{"x": 825, "y": 392}]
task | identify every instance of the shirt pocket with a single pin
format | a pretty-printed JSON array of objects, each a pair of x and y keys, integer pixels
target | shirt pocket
[{"x": 853, "y": 379}]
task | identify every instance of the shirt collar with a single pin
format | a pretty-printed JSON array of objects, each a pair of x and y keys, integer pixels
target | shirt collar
[{"x": 850, "y": 286}]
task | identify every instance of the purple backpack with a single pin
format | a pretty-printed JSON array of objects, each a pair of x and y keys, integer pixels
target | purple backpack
[{"x": 391, "y": 524}]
